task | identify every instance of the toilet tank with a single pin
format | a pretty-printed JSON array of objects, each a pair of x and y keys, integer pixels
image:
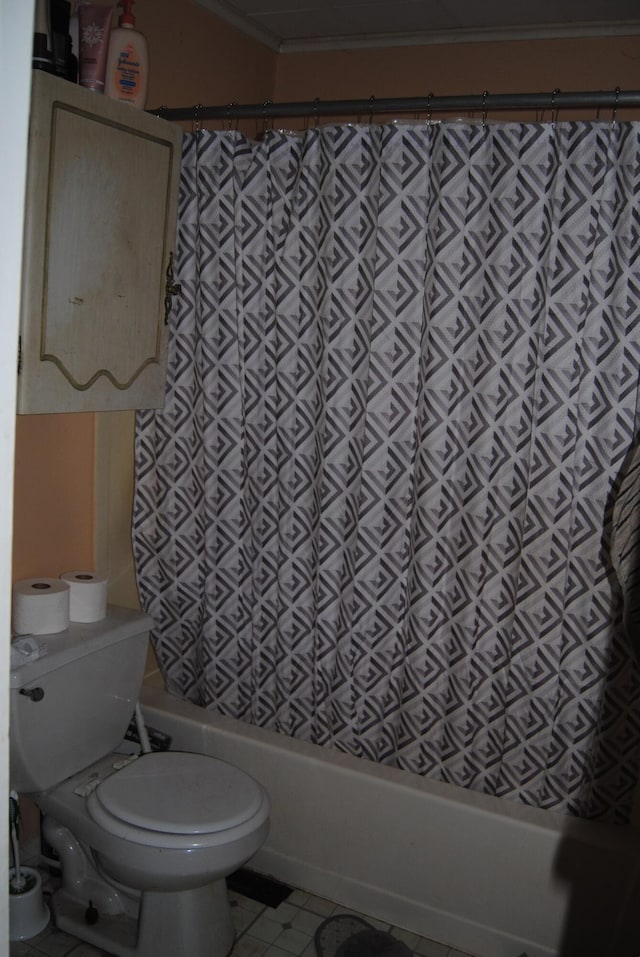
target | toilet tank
[{"x": 83, "y": 688}]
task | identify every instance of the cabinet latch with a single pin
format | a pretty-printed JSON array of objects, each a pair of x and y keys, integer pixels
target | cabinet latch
[{"x": 171, "y": 289}]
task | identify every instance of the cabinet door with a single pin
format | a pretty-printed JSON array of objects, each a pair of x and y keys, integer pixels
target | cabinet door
[{"x": 100, "y": 227}]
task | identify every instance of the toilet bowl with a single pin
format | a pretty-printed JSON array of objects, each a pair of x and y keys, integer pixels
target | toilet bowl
[
  {"x": 145, "y": 841},
  {"x": 167, "y": 848},
  {"x": 150, "y": 836}
]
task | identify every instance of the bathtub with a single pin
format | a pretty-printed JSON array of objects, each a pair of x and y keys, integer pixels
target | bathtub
[{"x": 483, "y": 875}]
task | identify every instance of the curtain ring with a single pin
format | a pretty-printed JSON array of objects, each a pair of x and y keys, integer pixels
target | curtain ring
[
  {"x": 372, "y": 101},
  {"x": 229, "y": 108},
  {"x": 615, "y": 106},
  {"x": 429, "y": 98},
  {"x": 554, "y": 108},
  {"x": 197, "y": 123},
  {"x": 485, "y": 94},
  {"x": 316, "y": 114}
]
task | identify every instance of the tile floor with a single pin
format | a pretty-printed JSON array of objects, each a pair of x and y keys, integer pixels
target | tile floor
[{"x": 285, "y": 931}]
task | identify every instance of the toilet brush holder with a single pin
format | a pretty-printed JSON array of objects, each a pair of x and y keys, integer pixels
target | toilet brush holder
[{"x": 28, "y": 913}]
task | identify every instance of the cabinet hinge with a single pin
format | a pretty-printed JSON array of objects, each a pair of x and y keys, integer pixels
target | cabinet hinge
[
  {"x": 19, "y": 354},
  {"x": 171, "y": 289}
]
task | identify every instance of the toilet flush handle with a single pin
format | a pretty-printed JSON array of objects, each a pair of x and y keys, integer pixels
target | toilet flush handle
[{"x": 36, "y": 694}]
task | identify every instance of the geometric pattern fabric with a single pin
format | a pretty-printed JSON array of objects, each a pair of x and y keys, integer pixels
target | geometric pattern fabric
[{"x": 375, "y": 511}]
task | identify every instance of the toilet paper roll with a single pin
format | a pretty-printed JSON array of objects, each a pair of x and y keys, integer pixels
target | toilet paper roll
[
  {"x": 88, "y": 595},
  {"x": 40, "y": 606}
]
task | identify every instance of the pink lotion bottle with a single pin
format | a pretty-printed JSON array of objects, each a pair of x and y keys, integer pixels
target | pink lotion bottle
[{"x": 127, "y": 74}]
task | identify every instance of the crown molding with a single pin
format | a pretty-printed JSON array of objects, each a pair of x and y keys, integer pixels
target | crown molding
[{"x": 552, "y": 31}]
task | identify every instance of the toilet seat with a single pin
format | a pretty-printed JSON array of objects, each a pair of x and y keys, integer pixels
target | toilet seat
[{"x": 205, "y": 800}]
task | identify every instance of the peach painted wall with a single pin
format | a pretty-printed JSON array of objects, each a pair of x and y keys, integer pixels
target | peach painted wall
[
  {"x": 194, "y": 57},
  {"x": 458, "y": 68},
  {"x": 53, "y": 495},
  {"x": 197, "y": 58}
]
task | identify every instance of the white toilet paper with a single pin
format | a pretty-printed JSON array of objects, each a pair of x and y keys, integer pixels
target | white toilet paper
[
  {"x": 40, "y": 606},
  {"x": 88, "y": 595}
]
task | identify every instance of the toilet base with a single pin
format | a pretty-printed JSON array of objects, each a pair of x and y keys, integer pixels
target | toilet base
[
  {"x": 195, "y": 922},
  {"x": 116, "y": 933}
]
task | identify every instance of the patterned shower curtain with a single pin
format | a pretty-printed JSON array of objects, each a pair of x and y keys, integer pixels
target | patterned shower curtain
[{"x": 375, "y": 511}]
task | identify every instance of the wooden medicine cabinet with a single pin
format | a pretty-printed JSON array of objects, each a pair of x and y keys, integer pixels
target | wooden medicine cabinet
[{"x": 100, "y": 222}]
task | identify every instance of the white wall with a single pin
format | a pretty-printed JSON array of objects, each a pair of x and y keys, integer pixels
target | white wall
[{"x": 16, "y": 27}]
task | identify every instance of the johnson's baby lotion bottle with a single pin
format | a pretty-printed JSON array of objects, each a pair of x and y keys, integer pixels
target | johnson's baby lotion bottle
[{"x": 127, "y": 75}]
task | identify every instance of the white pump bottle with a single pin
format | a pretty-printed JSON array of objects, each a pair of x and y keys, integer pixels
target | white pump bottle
[{"x": 127, "y": 73}]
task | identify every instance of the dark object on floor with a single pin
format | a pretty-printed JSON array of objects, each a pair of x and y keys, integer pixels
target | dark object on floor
[
  {"x": 345, "y": 935},
  {"x": 257, "y": 887},
  {"x": 91, "y": 915}
]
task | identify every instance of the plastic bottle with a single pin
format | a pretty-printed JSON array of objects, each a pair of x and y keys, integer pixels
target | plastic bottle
[
  {"x": 74, "y": 55},
  {"x": 42, "y": 46},
  {"x": 95, "y": 28},
  {"x": 127, "y": 75}
]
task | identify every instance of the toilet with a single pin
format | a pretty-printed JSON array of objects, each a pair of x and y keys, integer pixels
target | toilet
[{"x": 145, "y": 841}]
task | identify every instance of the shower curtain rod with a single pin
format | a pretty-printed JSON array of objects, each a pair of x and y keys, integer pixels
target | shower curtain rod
[{"x": 479, "y": 103}]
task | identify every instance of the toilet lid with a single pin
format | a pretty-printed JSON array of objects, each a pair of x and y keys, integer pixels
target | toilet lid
[{"x": 180, "y": 793}]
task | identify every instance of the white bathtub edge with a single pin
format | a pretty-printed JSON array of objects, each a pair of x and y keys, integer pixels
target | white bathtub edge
[
  {"x": 488, "y": 877},
  {"x": 441, "y": 926}
]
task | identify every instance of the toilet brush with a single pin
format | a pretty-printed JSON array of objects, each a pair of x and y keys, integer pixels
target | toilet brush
[
  {"x": 20, "y": 882},
  {"x": 28, "y": 913}
]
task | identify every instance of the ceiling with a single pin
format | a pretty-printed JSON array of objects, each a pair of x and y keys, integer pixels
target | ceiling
[{"x": 298, "y": 25}]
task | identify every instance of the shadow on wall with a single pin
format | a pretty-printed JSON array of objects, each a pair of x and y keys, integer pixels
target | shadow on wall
[
  {"x": 603, "y": 891},
  {"x": 602, "y": 883}
]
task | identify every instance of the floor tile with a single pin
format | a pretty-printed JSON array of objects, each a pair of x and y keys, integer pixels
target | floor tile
[
  {"x": 318, "y": 905},
  {"x": 242, "y": 918},
  {"x": 33, "y": 942},
  {"x": 378, "y": 924},
  {"x": 282, "y": 914},
  {"x": 284, "y": 931},
  {"x": 265, "y": 929},
  {"x": 405, "y": 936},
  {"x": 56, "y": 943},
  {"x": 430, "y": 948},
  {"x": 298, "y": 898},
  {"x": 247, "y": 946},
  {"x": 86, "y": 950},
  {"x": 293, "y": 941},
  {"x": 248, "y": 903},
  {"x": 307, "y": 922}
]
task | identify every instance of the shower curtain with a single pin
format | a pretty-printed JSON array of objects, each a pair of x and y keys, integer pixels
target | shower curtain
[{"x": 403, "y": 383}]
